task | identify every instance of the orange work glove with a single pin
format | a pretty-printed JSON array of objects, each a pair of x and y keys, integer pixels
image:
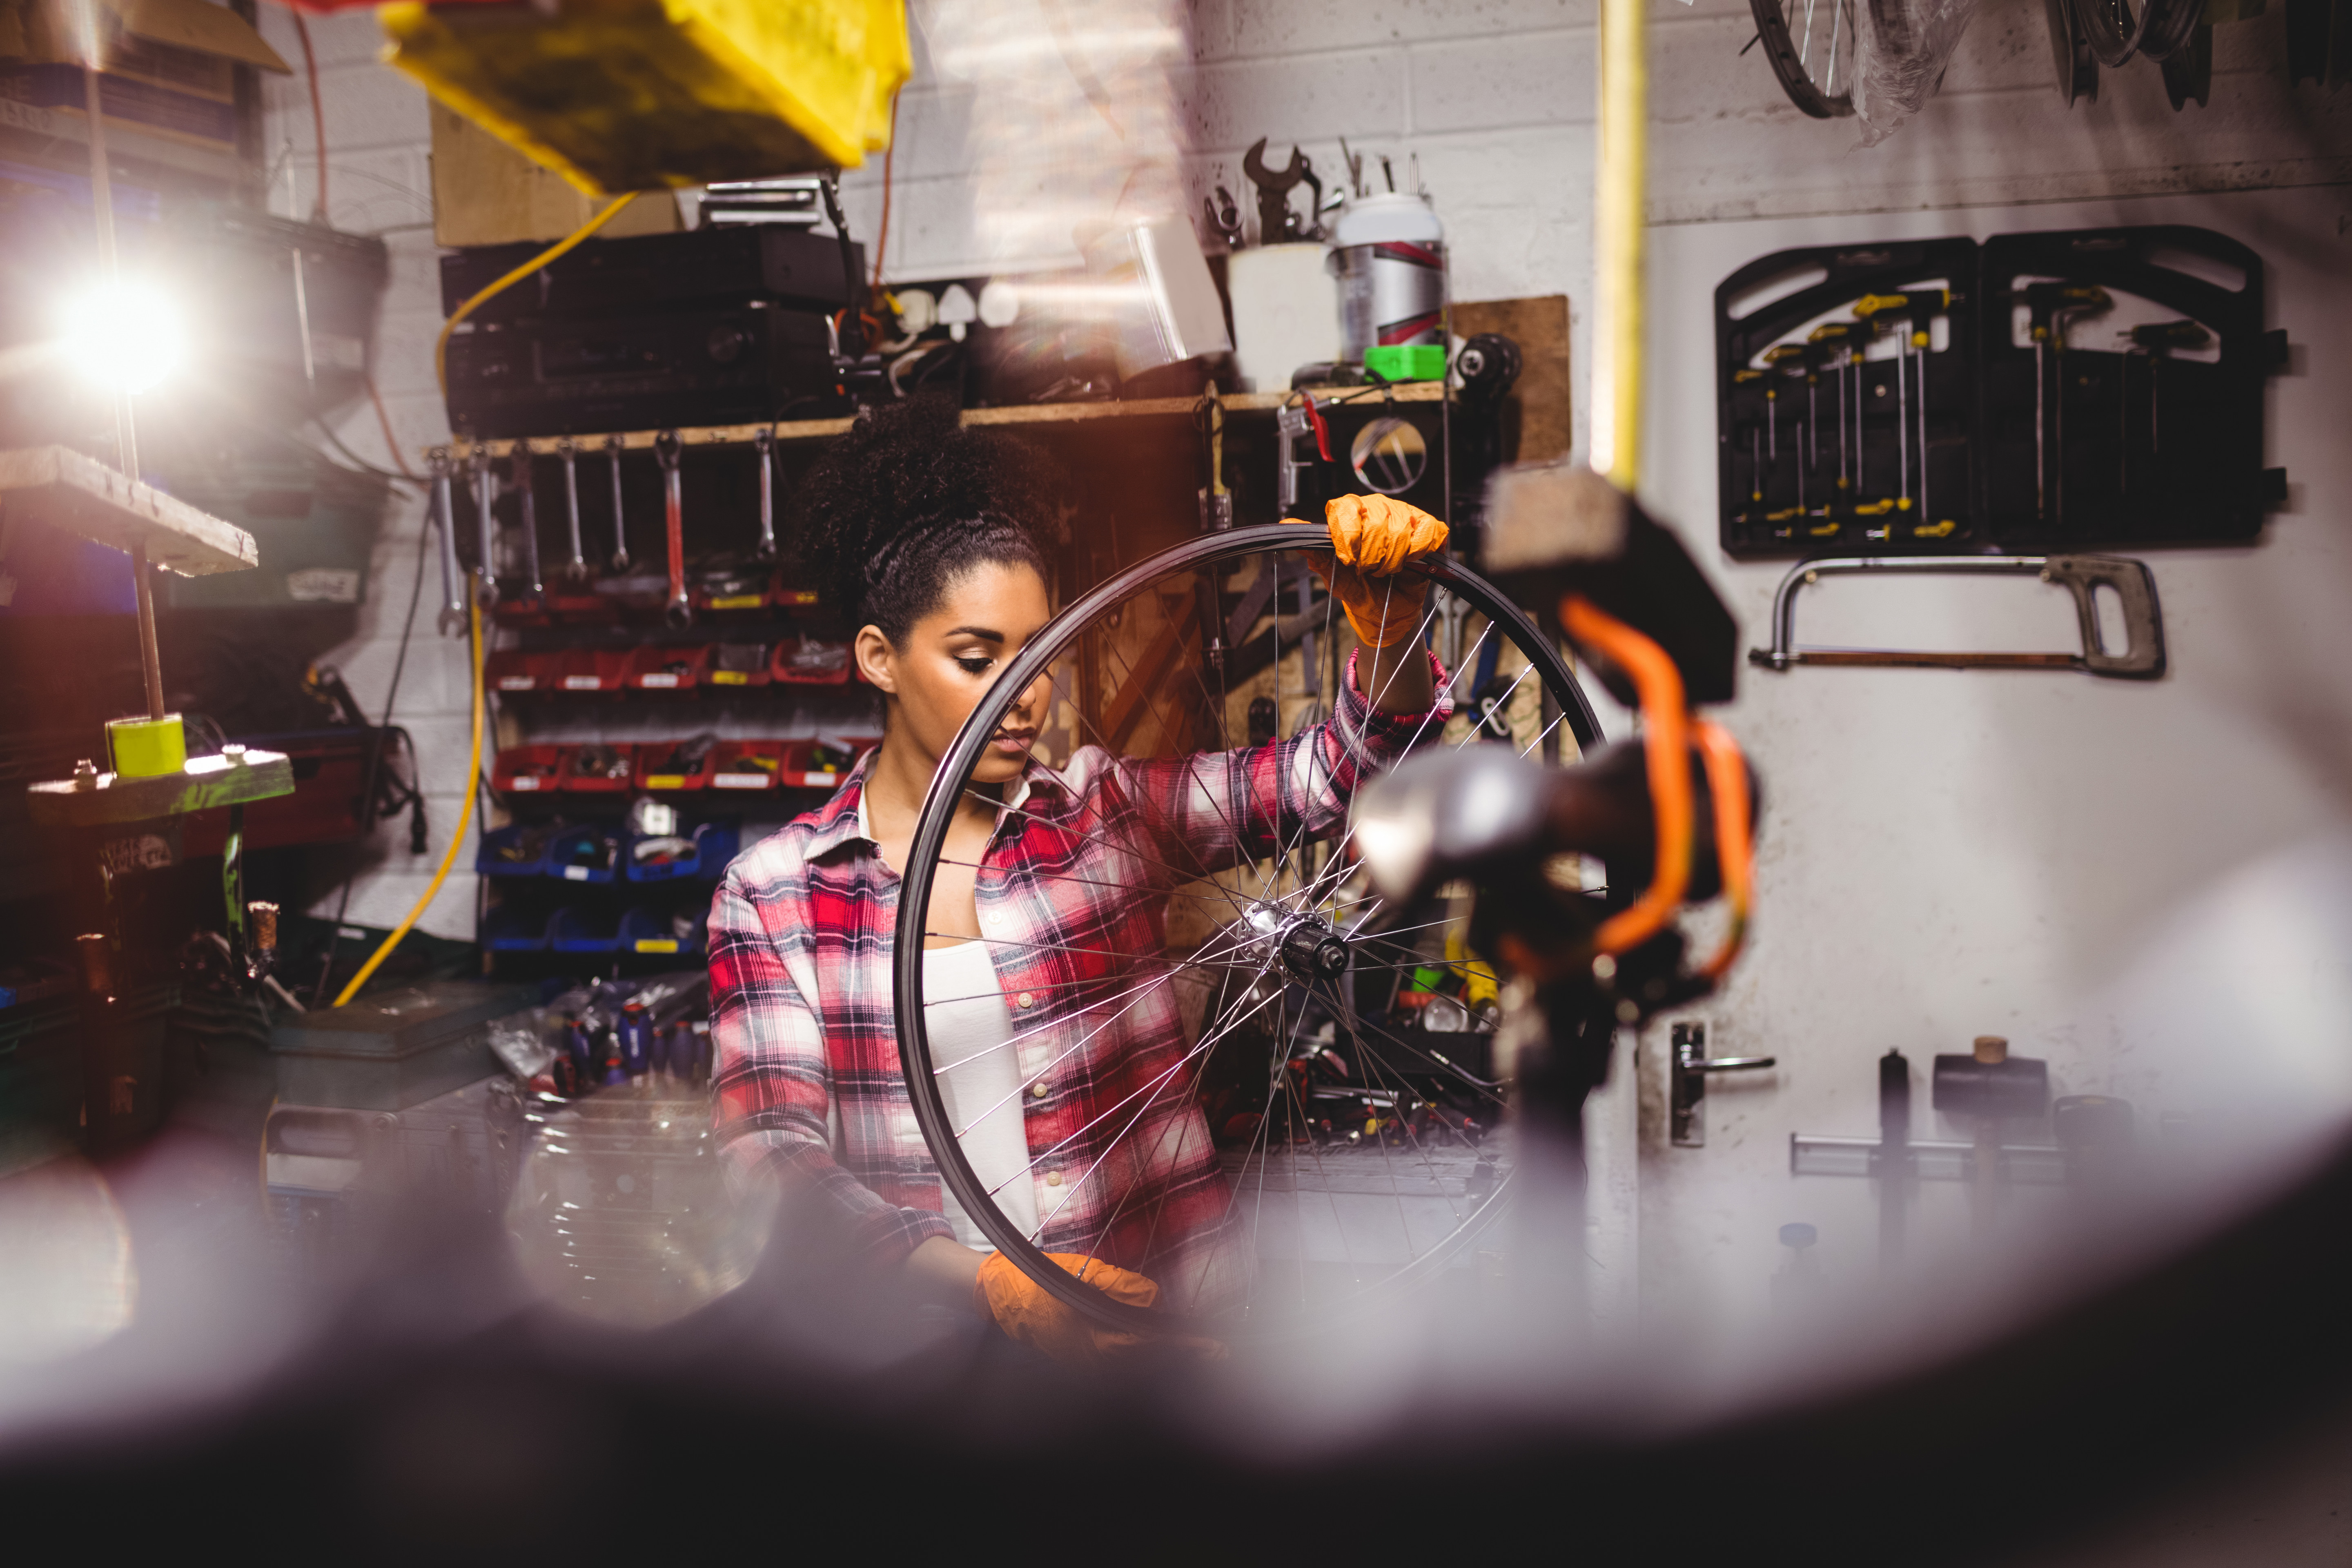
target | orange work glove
[
  {"x": 1374, "y": 536},
  {"x": 1026, "y": 1312}
]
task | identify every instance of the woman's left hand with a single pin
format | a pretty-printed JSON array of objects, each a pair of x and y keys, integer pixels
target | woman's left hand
[{"x": 1375, "y": 536}]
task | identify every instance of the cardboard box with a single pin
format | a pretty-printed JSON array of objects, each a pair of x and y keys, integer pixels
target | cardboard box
[
  {"x": 486, "y": 193},
  {"x": 170, "y": 66}
]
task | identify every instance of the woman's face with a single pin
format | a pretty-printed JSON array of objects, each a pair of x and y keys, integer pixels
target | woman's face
[{"x": 954, "y": 655}]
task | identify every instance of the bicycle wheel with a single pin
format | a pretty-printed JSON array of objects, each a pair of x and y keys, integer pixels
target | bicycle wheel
[
  {"x": 1810, "y": 44},
  {"x": 1220, "y": 1061}
]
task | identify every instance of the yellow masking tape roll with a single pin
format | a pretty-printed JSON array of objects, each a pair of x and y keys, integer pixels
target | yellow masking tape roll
[{"x": 147, "y": 748}]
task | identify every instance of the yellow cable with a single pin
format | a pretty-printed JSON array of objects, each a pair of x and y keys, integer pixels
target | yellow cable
[
  {"x": 474, "y": 608},
  {"x": 464, "y": 815},
  {"x": 441, "y": 344}
]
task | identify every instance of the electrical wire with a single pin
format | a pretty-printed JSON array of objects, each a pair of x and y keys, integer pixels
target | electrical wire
[
  {"x": 375, "y": 753},
  {"x": 318, "y": 118},
  {"x": 391, "y": 442},
  {"x": 465, "y": 815},
  {"x": 361, "y": 464},
  {"x": 441, "y": 344}
]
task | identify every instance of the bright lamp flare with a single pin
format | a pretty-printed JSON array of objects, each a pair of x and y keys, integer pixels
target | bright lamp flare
[{"x": 124, "y": 337}]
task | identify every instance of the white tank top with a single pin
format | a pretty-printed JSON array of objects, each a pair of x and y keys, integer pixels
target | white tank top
[{"x": 970, "y": 1032}]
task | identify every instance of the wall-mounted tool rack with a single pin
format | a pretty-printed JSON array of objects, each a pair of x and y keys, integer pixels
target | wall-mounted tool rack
[
  {"x": 734, "y": 711},
  {"x": 2038, "y": 392}
]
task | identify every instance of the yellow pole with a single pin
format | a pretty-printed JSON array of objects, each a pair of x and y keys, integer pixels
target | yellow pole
[{"x": 1618, "y": 193}]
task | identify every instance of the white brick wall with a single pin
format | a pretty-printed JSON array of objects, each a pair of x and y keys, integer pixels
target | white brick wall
[{"x": 379, "y": 183}]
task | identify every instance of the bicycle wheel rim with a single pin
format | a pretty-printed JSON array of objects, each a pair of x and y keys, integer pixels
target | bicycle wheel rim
[
  {"x": 1791, "y": 55},
  {"x": 917, "y": 1065}
]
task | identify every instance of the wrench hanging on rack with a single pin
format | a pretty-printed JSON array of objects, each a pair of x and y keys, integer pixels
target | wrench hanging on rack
[
  {"x": 764, "y": 443},
  {"x": 576, "y": 568},
  {"x": 680, "y": 610},
  {"x": 486, "y": 491},
  {"x": 442, "y": 518},
  {"x": 533, "y": 588},
  {"x": 620, "y": 516}
]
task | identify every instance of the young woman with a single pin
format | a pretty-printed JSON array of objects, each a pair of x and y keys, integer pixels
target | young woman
[{"x": 929, "y": 535}]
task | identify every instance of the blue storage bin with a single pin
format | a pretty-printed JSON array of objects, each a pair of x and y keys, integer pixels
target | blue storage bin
[
  {"x": 577, "y": 929},
  {"x": 507, "y": 929},
  {"x": 715, "y": 844},
  {"x": 584, "y": 855},
  {"x": 517, "y": 851},
  {"x": 647, "y": 930}
]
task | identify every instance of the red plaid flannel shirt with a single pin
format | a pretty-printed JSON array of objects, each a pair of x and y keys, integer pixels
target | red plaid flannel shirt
[{"x": 1072, "y": 896}]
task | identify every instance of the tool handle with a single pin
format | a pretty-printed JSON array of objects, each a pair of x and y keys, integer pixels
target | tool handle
[
  {"x": 763, "y": 444},
  {"x": 485, "y": 489},
  {"x": 666, "y": 449},
  {"x": 620, "y": 517},
  {"x": 577, "y": 566},
  {"x": 442, "y": 518},
  {"x": 533, "y": 588},
  {"x": 2142, "y": 657}
]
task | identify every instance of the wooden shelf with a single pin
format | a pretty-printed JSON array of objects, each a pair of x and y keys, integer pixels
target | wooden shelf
[
  {"x": 66, "y": 489},
  {"x": 1017, "y": 414}
]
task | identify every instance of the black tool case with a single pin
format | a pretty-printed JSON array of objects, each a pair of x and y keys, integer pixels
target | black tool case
[{"x": 1885, "y": 399}]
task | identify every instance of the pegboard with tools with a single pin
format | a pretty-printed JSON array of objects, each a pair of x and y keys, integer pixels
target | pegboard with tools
[{"x": 2036, "y": 392}]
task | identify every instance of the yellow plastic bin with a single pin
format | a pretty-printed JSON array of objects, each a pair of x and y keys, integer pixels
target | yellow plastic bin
[{"x": 633, "y": 95}]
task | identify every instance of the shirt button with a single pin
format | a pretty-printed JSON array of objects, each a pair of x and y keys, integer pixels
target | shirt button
[
  {"x": 993, "y": 920},
  {"x": 1025, "y": 1000},
  {"x": 1038, "y": 1092},
  {"x": 1053, "y": 1178}
]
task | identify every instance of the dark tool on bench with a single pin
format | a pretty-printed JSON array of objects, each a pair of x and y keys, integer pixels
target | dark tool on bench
[
  {"x": 1276, "y": 223},
  {"x": 519, "y": 476},
  {"x": 486, "y": 527},
  {"x": 680, "y": 611},
  {"x": 2082, "y": 575},
  {"x": 2050, "y": 307},
  {"x": 764, "y": 445},
  {"x": 576, "y": 568},
  {"x": 445, "y": 518},
  {"x": 2156, "y": 340},
  {"x": 1994, "y": 1091},
  {"x": 620, "y": 516},
  {"x": 1225, "y": 216}
]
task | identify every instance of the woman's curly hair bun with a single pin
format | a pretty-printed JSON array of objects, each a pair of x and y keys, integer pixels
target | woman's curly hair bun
[{"x": 909, "y": 498}]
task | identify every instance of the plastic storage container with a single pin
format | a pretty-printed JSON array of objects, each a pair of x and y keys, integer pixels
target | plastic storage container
[{"x": 1389, "y": 260}]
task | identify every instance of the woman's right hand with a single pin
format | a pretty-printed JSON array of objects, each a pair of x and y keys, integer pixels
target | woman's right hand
[{"x": 1027, "y": 1313}]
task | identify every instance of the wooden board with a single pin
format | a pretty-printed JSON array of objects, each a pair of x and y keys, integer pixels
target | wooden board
[
  {"x": 60, "y": 487},
  {"x": 1541, "y": 399}
]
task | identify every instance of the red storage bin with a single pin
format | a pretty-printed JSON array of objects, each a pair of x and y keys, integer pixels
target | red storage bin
[
  {"x": 529, "y": 770},
  {"x": 665, "y": 765},
  {"x": 737, "y": 664},
  {"x": 580, "y": 669},
  {"x": 789, "y": 593},
  {"x": 667, "y": 669},
  {"x": 511, "y": 669},
  {"x": 748, "y": 764},
  {"x": 805, "y": 661},
  {"x": 805, "y": 768},
  {"x": 600, "y": 768},
  {"x": 731, "y": 585}
]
